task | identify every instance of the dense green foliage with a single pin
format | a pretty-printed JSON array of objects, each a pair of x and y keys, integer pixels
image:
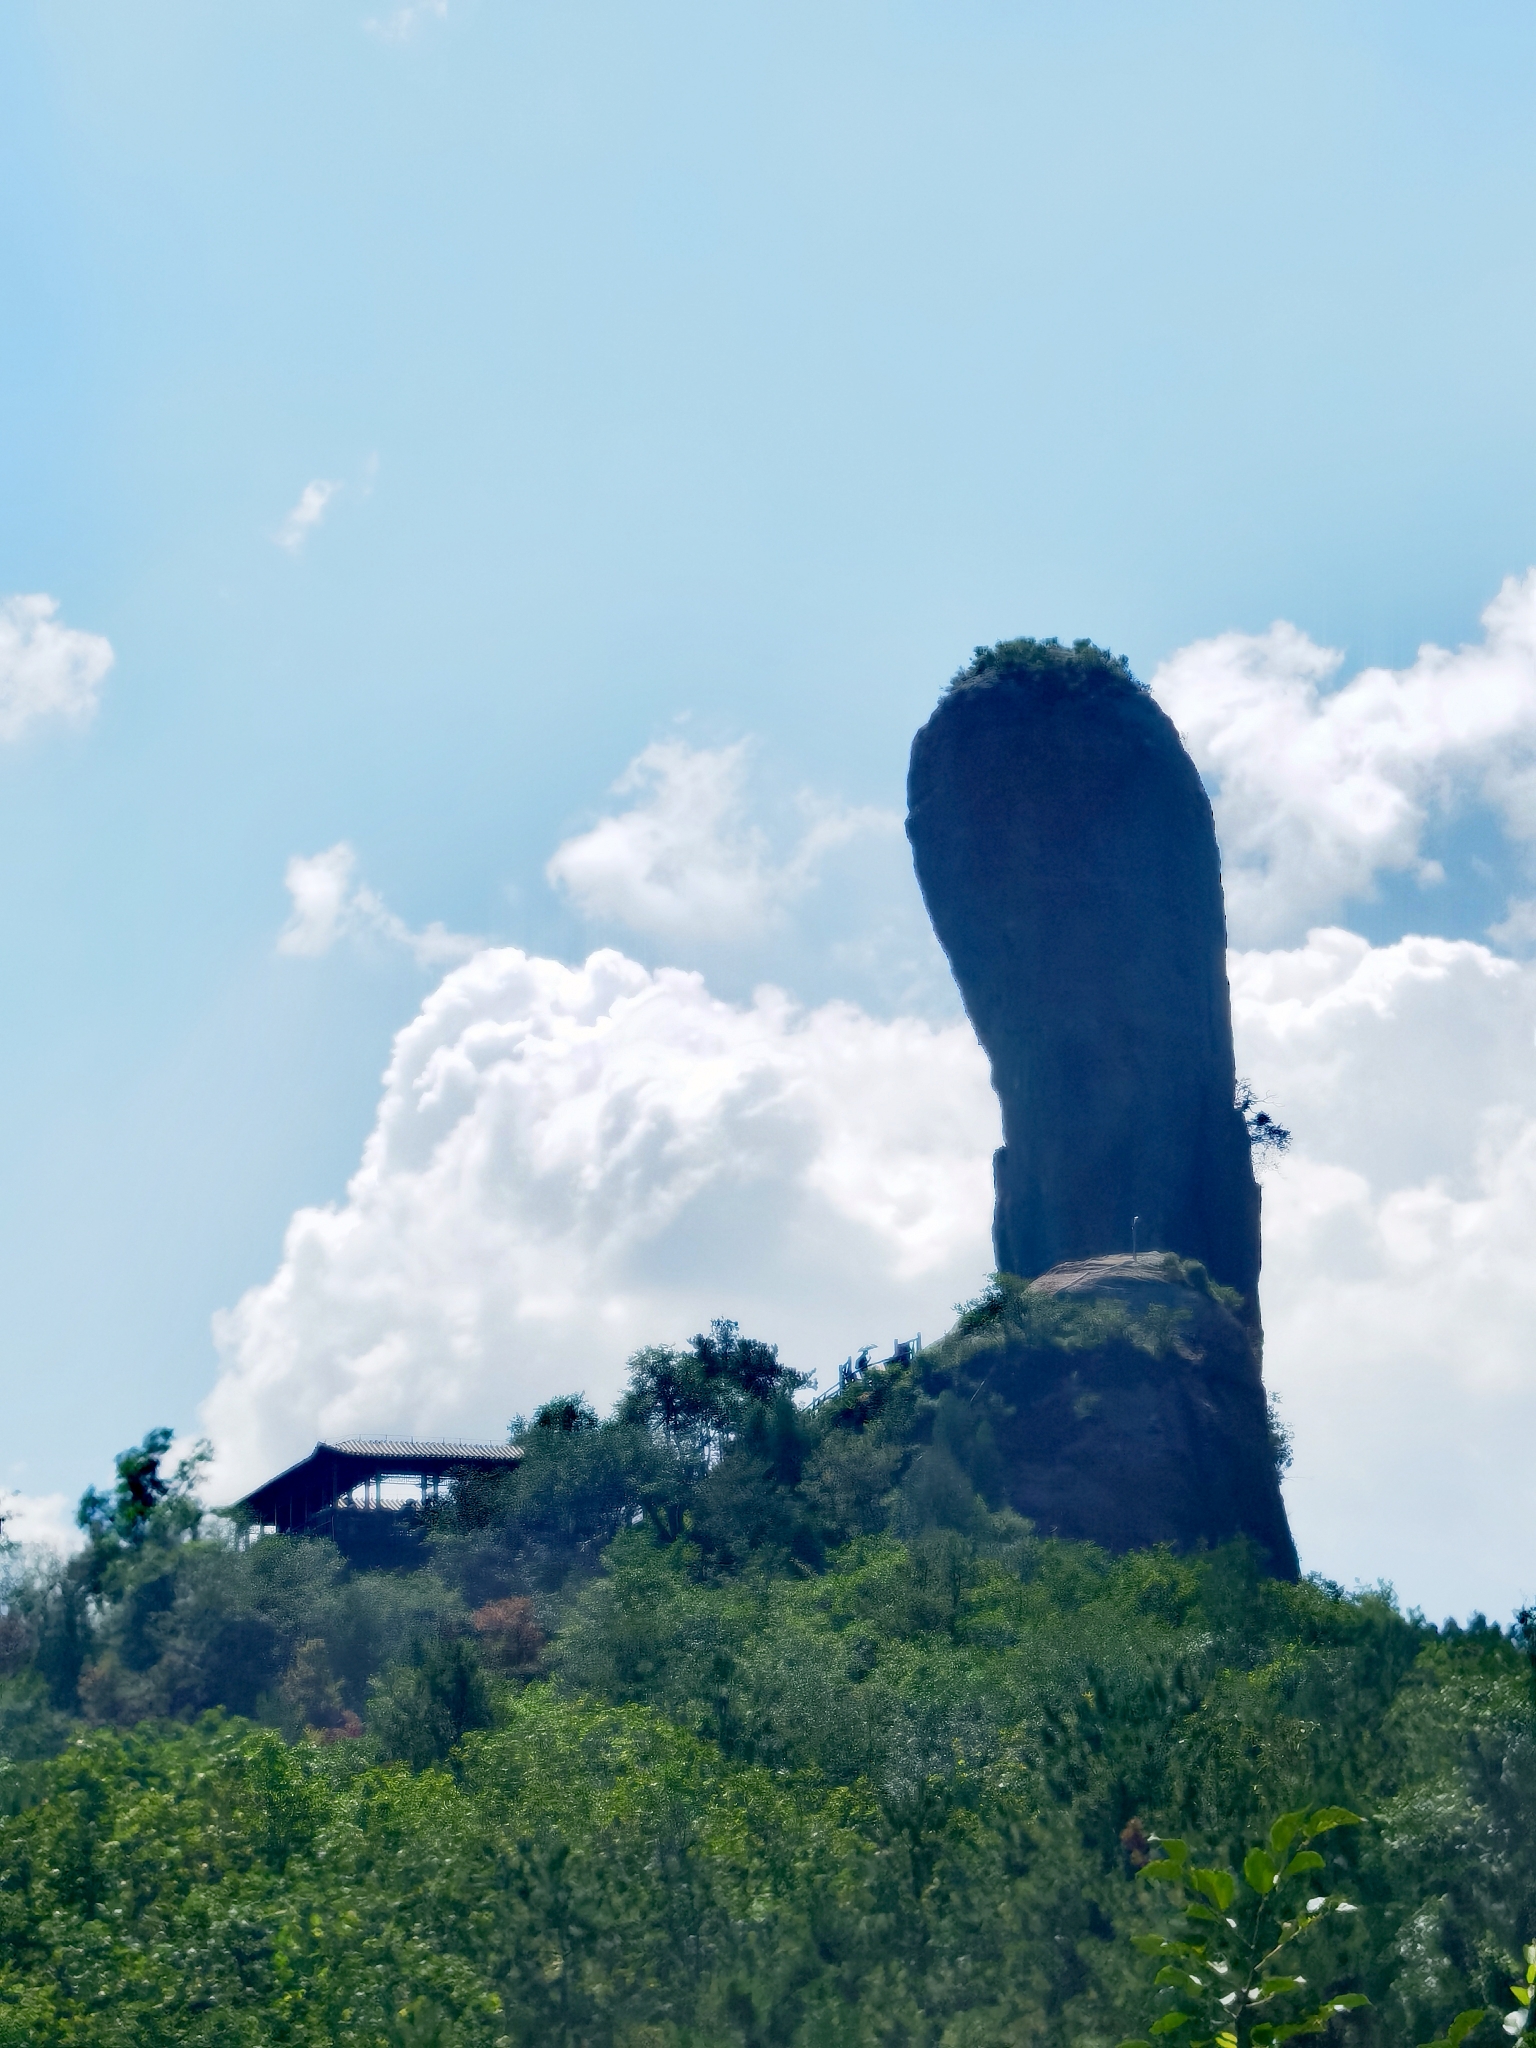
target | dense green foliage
[
  {"x": 723, "y": 1719},
  {"x": 1081, "y": 669}
]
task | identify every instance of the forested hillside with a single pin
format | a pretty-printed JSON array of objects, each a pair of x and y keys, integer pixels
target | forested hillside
[{"x": 724, "y": 1719}]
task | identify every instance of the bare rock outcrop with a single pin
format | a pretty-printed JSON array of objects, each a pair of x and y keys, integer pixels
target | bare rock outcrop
[
  {"x": 1067, "y": 855},
  {"x": 1155, "y": 1429},
  {"x": 1066, "y": 852}
]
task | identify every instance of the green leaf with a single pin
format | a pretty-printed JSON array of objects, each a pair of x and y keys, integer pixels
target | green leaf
[
  {"x": 1171, "y": 2022},
  {"x": 1327, "y": 1817},
  {"x": 1259, "y": 1872},
  {"x": 1165, "y": 1870},
  {"x": 1348, "y": 2003},
  {"x": 1179, "y": 1979},
  {"x": 1285, "y": 1831},
  {"x": 1273, "y": 1986},
  {"x": 1463, "y": 2024},
  {"x": 1304, "y": 1859},
  {"x": 1198, "y": 1912},
  {"x": 1135, "y": 2044},
  {"x": 1217, "y": 1886}
]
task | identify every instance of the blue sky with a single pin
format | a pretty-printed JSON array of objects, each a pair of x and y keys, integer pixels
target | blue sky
[{"x": 680, "y": 372}]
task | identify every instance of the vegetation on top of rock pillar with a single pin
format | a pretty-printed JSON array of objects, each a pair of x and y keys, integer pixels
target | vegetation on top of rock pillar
[{"x": 1081, "y": 668}]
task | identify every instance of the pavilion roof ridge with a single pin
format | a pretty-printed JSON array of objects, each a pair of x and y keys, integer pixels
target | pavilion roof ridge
[{"x": 431, "y": 1447}]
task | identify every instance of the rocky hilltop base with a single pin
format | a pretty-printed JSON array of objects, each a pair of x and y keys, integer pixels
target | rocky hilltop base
[{"x": 1149, "y": 1425}]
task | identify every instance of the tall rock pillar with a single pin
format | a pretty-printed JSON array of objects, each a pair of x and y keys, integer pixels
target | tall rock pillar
[{"x": 1066, "y": 853}]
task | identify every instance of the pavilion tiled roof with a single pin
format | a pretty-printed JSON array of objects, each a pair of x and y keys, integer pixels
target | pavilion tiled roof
[{"x": 333, "y": 1469}]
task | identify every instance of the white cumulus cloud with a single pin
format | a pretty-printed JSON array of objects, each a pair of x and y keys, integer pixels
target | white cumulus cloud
[
  {"x": 306, "y": 514},
  {"x": 40, "y": 1521},
  {"x": 330, "y": 903},
  {"x": 685, "y": 862},
  {"x": 1318, "y": 787},
  {"x": 1399, "y": 1289},
  {"x": 570, "y": 1162},
  {"x": 47, "y": 669},
  {"x": 1516, "y": 930}
]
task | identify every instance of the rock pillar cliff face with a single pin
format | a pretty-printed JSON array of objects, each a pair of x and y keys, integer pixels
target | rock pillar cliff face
[{"x": 1066, "y": 853}]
